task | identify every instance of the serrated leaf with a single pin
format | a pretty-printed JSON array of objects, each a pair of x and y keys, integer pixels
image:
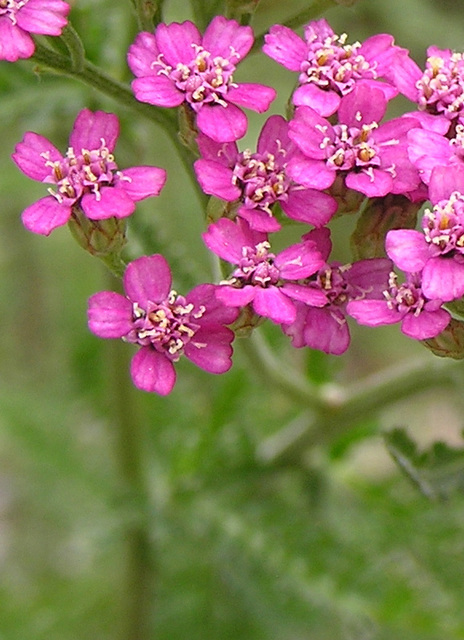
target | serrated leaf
[{"x": 438, "y": 471}]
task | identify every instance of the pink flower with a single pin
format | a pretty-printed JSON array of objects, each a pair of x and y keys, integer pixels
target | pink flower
[
  {"x": 325, "y": 328},
  {"x": 328, "y": 67},
  {"x": 19, "y": 18},
  {"x": 429, "y": 149},
  {"x": 176, "y": 64},
  {"x": 164, "y": 324},
  {"x": 257, "y": 181},
  {"x": 420, "y": 317},
  {"x": 438, "y": 252},
  {"x": 87, "y": 176},
  {"x": 269, "y": 282},
  {"x": 371, "y": 157},
  {"x": 439, "y": 89}
]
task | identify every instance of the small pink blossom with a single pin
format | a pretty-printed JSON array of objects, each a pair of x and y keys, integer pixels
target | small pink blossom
[
  {"x": 86, "y": 176},
  {"x": 177, "y": 64},
  {"x": 269, "y": 282},
  {"x": 164, "y": 324},
  {"x": 257, "y": 181},
  {"x": 328, "y": 67},
  {"x": 372, "y": 158},
  {"x": 20, "y": 18}
]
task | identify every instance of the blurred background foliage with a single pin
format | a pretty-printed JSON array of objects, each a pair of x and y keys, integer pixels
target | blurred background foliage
[{"x": 336, "y": 546}]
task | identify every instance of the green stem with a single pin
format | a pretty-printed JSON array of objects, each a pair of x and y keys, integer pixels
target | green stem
[
  {"x": 148, "y": 13},
  {"x": 94, "y": 77},
  {"x": 139, "y": 569},
  {"x": 337, "y": 409},
  {"x": 71, "y": 39}
]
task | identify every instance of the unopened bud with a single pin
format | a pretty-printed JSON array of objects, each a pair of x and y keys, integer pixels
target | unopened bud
[
  {"x": 377, "y": 219},
  {"x": 98, "y": 237}
]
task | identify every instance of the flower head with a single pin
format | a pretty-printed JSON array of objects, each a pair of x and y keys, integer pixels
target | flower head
[
  {"x": 371, "y": 157},
  {"x": 87, "y": 176},
  {"x": 177, "y": 64},
  {"x": 258, "y": 180},
  {"x": 163, "y": 324},
  {"x": 270, "y": 282},
  {"x": 20, "y": 18},
  {"x": 328, "y": 67}
]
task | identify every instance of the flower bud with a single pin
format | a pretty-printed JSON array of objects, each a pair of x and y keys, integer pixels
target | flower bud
[{"x": 98, "y": 237}]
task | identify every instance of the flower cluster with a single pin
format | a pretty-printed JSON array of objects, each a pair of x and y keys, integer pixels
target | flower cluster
[{"x": 337, "y": 147}]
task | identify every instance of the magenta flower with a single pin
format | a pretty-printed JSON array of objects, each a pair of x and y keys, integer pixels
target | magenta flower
[
  {"x": 19, "y": 18},
  {"x": 87, "y": 176},
  {"x": 420, "y": 317},
  {"x": 371, "y": 157},
  {"x": 439, "y": 251},
  {"x": 429, "y": 149},
  {"x": 176, "y": 64},
  {"x": 269, "y": 282},
  {"x": 328, "y": 67},
  {"x": 325, "y": 328},
  {"x": 258, "y": 180},
  {"x": 164, "y": 324},
  {"x": 439, "y": 89}
]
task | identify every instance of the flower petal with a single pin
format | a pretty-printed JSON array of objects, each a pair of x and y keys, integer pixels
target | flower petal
[
  {"x": 256, "y": 97},
  {"x": 216, "y": 180},
  {"x": 443, "y": 279},
  {"x": 310, "y": 206},
  {"x": 33, "y": 154},
  {"x": 158, "y": 90},
  {"x": 147, "y": 279},
  {"x": 285, "y": 47},
  {"x": 407, "y": 248},
  {"x": 14, "y": 42},
  {"x": 110, "y": 202},
  {"x": 109, "y": 314},
  {"x": 142, "y": 182},
  {"x": 47, "y": 17},
  {"x": 272, "y": 303},
  {"x": 92, "y": 128},
  {"x": 225, "y": 38},
  {"x": 427, "y": 324},
  {"x": 210, "y": 348},
  {"x": 222, "y": 123},
  {"x": 45, "y": 215},
  {"x": 153, "y": 372},
  {"x": 177, "y": 42}
]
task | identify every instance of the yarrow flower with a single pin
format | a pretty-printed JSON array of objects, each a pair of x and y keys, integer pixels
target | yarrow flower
[
  {"x": 164, "y": 324},
  {"x": 421, "y": 318},
  {"x": 325, "y": 328},
  {"x": 438, "y": 252},
  {"x": 20, "y": 18},
  {"x": 269, "y": 282},
  {"x": 371, "y": 157},
  {"x": 87, "y": 176},
  {"x": 257, "y": 181},
  {"x": 328, "y": 67},
  {"x": 176, "y": 65}
]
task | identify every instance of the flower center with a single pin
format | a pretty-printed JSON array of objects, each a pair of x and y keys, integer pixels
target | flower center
[
  {"x": 9, "y": 8},
  {"x": 441, "y": 88},
  {"x": 262, "y": 179},
  {"x": 332, "y": 64},
  {"x": 444, "y": 226},
  {"x": 78, "y": 173},
  {"x": 167, "y": 326},
  {"x": 351, "y": 147},
  {"x": 255, "y": 268},
  {"x": 205, "y": 79},
  {"x": 406, "y": 298}
]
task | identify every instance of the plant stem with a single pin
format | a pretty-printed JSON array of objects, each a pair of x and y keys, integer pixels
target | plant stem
[{"x": 139, "y": 570}]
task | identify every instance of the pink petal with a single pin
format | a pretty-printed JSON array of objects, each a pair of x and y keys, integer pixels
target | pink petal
[
  {"x": 216, "y": 313},
  {"x": 326, "y": 331},
  {"x": 142, "y": 53},
  {"x": 272, "y": 303},
  {"x": 362, "y": 105},
  {"x": 148, "y": 279},
  {"x": 307, "y": 294},
  {"x": 158, "y": 90},
  {"x": 313, "y": 174},
  {"x": 210, "y": 348},
  {"x": 14, "y": 42},
  {"x": 444, "y": 181},
  {"x": 373, "y": 313},
  {"x": 324, "y": 102},
  {"x": 92, "y": 128},
  {"x": 226, "y": 37},
  {"x": 299, "y": 261},
  {"x": 109, "y": 314},
  {"x": 256, "y": 97},
  {"x": 443, "y": 279},
  {"x": 32, "y": 155},
  {"x": 153, "y": 372},
  {"x": 222, "y": 124},
  {"x": 223, "y": 152},
  {"x": 215, "y": 179},
  {"x": 274, "y": 137},
  {"x": 232, "y": 297},
  {"x": 111, "y": 202},
  {"x": 427, "y": 324},
  {"x": 142, "y": 182},
  {"x": 259, "y": 220},
  {"x": 47, "y": 17},
  {"x": 176, "y": 42},
  {"x": 310, "y": 206},
  {"x": 376, "y": 183},
  {"x": 407, "y": 248},
  {"x": 45, "y": 215},
  {"x": 285, "y": 47}
]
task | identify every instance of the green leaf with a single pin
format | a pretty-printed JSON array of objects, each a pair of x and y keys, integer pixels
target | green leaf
[{"x": 438, "y": 471}]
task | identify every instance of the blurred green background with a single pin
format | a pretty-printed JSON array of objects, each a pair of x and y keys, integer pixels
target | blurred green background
[{"x": 337, "y": 546}]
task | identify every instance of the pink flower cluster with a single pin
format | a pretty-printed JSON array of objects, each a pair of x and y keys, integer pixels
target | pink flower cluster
[{"x": 337, "y": 142}]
